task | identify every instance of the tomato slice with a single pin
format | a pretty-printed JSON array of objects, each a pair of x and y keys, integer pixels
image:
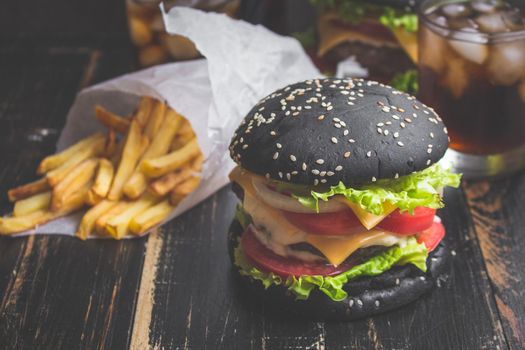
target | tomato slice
[
  {"x": 337, "y": 223},
  {"x": 345, "y": 222},
  {"x": 408, "y": 224},
  {"x": 267, "y": 260},
  {"x": 432, "y": 236}
]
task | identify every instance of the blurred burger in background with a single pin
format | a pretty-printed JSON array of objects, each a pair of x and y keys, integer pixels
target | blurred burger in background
[{"x": 379, "y": 34}]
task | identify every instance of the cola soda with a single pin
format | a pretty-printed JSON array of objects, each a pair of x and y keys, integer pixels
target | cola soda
[{"x": 472, "y": 71}]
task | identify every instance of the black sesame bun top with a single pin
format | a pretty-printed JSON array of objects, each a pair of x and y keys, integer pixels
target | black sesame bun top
[{"x": 329, "y": 130}]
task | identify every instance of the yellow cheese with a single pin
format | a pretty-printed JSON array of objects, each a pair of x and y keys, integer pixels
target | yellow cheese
[
  {"x": 337, "y": 249},
  {"x": 366, "y": 218}
]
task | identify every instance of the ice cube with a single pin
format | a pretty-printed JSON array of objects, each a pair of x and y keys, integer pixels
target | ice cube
[
  {"x": 486, "y": 6},
  {"x": 506, "y": 62},
  {"x": 456, "y": 10},
  {"x": 433, "y": 50},
  {"x": 456, "y": 77},
  {"x": 473, "y": 52},
  {"x": 491, "y": 23}
]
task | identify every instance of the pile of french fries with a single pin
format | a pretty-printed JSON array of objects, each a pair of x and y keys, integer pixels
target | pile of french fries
[{"x": 130, "y": 178}]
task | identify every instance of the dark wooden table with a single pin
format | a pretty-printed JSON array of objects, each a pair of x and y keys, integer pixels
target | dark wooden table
[{"x": 174, "y": 288}]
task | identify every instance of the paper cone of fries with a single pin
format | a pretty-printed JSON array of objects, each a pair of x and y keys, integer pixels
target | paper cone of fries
[{"x": 142, "y": 148}]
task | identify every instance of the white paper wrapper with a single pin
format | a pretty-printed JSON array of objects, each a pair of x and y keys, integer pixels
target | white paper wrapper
[{"x": 243, "y": 64}]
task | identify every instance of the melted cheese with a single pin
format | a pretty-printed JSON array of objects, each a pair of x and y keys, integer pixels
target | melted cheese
[{"x": 368, "y": 219}]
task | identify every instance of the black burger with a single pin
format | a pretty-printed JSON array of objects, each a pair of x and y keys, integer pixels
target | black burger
[{"x": 339, "y": 187}]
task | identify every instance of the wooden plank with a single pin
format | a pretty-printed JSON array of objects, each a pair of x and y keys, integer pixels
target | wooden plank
[
  {"x": 61, "y": 292},
  {"x": 192, "y": 301},
  {"x": 497, "y": 211}
]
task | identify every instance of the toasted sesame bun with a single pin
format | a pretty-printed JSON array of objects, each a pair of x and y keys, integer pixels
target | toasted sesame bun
[
  {"x": 330, "y": 130},
  {"x": 368, "y": 295}
]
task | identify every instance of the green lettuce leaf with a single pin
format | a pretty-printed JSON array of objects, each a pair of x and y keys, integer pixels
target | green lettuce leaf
[
  {"x": 395, "y": 19},
  {"x": 419, "y": 189},
  {"x": 406, "y": 81},
  {"x": 411, "y": 253}
]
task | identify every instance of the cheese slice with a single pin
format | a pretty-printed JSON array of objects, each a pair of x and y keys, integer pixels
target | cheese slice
[{"x": 366, "y": 218}]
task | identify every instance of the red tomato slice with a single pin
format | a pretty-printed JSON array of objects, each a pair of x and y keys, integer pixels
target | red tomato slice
[
  {"x": 408, "y": 224},
  {"x": 432, "y": 236},
  {"x": 345, "y": 222},
  {"x": 267, "y": 260},
  {"x": 338, "y": 223}
]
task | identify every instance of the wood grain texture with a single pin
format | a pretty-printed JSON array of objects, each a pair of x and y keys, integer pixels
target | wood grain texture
[
  {"x": 497, "y": 212},
  {"x": 197, "y": 303}
]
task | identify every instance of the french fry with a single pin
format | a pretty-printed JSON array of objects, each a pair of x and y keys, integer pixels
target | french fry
[
  {"x": 112, "y": 120},
  {"x": 103, "y": 178},
  {"x": 31, "y": 204},
  {"x": 56, "y": 160},
  {"x": 150, "y": 217},
  {"x": 130, "y": 155},
  {"x": 137, "y": 184},
  {"x": 155, "y": 119},
  {"x": 100, "y": 223},
  {"x": 111, "y": 144},
  {"x": 143, "y": 110},
  {"x": 183, "y": 136},
  {"x": 166, "y": 183},
  {"x": 11, "y": 225},
  {"x": 162, "y": 165},
  {"x": 92, "y": 198},
  {"x": 57, "y": 175},
  {"x": 118, "y": 226},
  {"x": 28, "y": 190},
  {"x": 72, "y": 182},
  {"x": 182, "y": 190},
  {"x": 87, "y": 223}
]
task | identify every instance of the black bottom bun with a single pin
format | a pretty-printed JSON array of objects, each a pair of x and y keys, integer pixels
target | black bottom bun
[{"x": 369, "y": 295}]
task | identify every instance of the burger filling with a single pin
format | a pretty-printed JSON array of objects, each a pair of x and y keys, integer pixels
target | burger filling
[{"x": 306, "y": 238}]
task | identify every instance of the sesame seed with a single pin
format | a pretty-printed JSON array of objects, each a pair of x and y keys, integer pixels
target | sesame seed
[
  {"x": 337, "y": 120},
  {"x": 445, "y": 130},
  {"x": 316, "y": 182},
  {"x": 339, "y": 167},
  {"x": 359, "y": 302},
  {"x": 323, "y": 181},
  {"x": 267, "y": 176},
  {"x": 334, "y": 140},
  {"x": 395, "y": 117},
  {"x": 319, "y": 161},
  {"x": 330, "y": 173},
  {"x": 351, "y": 302},
  {"x": 400, "y": 144},
  {"x": 376, "y": 303},
  {"x": 342, "y": 123},
  {"x": 304, "y": 167},
  {"x": 414, "y": 115},
  {"x": 351, "y": 140},
  {"x": 280, "y": 174},
  {"x": 295, "y": 114},
  {"x": 396, "y": 176},
  {"x": 275, "y": 155},
  {"x": 379, "y": 130},
  {"x": 337, "y": 125},
  {"x": 408, "y": 120},
  {"x": 422, "y": 278},
  {"x": 369, "y": 154},
  {"x": 380, "y": 124},
  {"x": 347, "y": 154},
  {"x": 287, "y": 113},
  {"x": 273, "y": 133},
  {"x": 315, "y": 171},
  {"x": 292, "y": 158},
  {"x": 322, "y": 173},
  {"x": 288, "y": 176},
  {"x": 428, "y": 162},
  {"x": 244, "y": 146},
  {"x": 386, "y": 132},
  {"x": 388, "y": 123},
  {"x": 453, "y": 252},
  {"x": 278, "y": 145},
  {"x": 321, "y": 117},
  {"x": 426, "y": 112},
  {"x": 402, "y": 124},
  {"x": 345, "y": 132},
  {"x": 295, "y": 172},
  {"x": 396, "y": 134},
  {"x": 429, "y": 150},
  {"x": 397, "y": 281},
  {"x": 374, "y": 179},
  {"x": 401, "y": 110},
  {"x": 431, "y": 135},
  {"x": 385, "y": 109},
  {"x": 329, "y": 108}
]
